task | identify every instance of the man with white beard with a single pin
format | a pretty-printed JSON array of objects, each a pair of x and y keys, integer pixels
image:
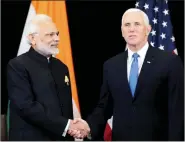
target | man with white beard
[{"x": 39, "y": 88}]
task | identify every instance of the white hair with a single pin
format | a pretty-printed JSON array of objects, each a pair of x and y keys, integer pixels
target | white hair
[
  {"x": 145, "y": 17},
  {"x": 33, "y": 25}
]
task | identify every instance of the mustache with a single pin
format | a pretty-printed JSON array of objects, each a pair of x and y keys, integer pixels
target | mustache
[{"x": 54, "y": 44}]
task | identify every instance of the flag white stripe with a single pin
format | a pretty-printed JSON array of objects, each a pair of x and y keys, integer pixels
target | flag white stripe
[{"x": 24, "y": 46}]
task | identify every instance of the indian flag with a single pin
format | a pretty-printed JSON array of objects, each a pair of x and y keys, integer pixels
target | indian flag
[{"x": 57, "y": 11}]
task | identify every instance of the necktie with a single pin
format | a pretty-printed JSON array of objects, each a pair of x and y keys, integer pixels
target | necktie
[{"x": 133, "y": 74}]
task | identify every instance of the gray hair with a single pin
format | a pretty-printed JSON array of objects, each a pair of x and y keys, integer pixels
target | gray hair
[
  {"x": 145, "y": 17},
  {"x": 33, "y": 25}
]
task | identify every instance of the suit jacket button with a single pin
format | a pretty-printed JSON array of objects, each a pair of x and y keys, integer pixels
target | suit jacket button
[{"x": 133, "y": 108}]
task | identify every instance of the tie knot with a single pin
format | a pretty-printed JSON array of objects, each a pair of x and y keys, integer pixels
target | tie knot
[{"x": 135, "y": 55}]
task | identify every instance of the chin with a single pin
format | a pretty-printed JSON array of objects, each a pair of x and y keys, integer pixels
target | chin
[
  {"x": 56, "y": 51},
  {"x": 132, "y": 43}
]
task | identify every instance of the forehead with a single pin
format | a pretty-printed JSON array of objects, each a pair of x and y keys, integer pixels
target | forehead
[
  {"x": 133, "y": 17},
  {"x": 47, "y": 27}
]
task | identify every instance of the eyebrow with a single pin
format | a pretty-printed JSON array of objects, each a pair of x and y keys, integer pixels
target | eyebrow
[
  {"x": 57, "y": 32},
  {"x": 126, "y": 23},
  {"x": 129, "y": 22}
]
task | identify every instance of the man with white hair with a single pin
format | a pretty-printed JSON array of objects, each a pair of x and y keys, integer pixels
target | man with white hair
[
  {"x": 39, "y": 88},
  {"x": 142, "y": 89}
]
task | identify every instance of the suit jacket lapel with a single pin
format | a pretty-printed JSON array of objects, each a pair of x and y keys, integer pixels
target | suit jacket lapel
[
  {"x": 123, "y": 75},
  {"x": 146, "y": 68}
]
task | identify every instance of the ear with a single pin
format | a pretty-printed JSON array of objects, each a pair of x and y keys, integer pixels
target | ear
[
  {"x": 148, "y": 29},
  {"x": 31, "y": 38},
  {"x": 122, "y": 31}
]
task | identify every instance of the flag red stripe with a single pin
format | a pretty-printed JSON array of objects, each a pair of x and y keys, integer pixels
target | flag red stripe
[{"x": 108, "y": 133}]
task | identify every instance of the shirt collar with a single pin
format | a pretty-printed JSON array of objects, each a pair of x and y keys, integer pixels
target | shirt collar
[
  {"x": 38, "y": 57},
  {"x": 141, "y": 52}
]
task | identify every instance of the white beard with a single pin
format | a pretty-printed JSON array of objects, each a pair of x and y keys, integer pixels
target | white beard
[{"x": 46, "y": 50}]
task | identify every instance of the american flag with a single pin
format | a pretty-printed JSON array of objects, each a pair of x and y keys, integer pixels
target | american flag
[{"x": 161, "y": 35}]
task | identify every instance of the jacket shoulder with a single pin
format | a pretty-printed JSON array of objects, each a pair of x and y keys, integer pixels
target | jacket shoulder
[
  {"x": 59, "y": 62},
  {"x": 115, "y": 59},
  {"x": 21, "y": 59},
  {"x": 164, "y": 55}
]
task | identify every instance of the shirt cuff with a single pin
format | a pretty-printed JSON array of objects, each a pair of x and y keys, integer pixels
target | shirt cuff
[
  {"x": 66, "y": 129},
  {"x": 89, "y": 136}
]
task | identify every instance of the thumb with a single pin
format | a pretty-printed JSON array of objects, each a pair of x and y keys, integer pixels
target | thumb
[{"x": 76, "y": 120}]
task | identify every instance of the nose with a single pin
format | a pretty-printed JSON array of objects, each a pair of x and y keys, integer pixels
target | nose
[
  {"x": 131, "y": 28},
  {"x": 56, "y": 38}
]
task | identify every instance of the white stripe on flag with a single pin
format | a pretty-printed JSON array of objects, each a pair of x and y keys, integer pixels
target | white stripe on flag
[
  {"x": 24, "y": 46},
  {"x": 110, "y": 122}
]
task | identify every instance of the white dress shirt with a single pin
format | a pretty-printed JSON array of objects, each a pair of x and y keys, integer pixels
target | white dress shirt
[
  {"x": 141, "y": 53},
  {"x": 66, "y": 129}
]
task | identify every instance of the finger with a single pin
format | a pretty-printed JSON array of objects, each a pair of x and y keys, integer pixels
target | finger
[
  {"x": 84, "y": 134},
  {"x": 73, "y": 132},
  {"x": 75, "y": 121},
  {"x": 77, "y": 135},
  {"x": 80, "y": 135},
  {"x": 69, "y": 132}
]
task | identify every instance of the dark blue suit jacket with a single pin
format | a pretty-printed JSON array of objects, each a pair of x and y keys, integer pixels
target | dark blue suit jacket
[
  {"x": 156, "y": 111},
  {"x": 40, "y": 99}
]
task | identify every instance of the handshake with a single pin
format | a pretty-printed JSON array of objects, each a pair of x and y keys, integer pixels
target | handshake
[{"x": 78, "y": 128}]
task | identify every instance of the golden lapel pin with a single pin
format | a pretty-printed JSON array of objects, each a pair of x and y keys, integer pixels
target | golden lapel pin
[{"x": 66, "y": 80}]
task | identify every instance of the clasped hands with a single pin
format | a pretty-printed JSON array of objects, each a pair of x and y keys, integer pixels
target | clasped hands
[{"x": 78, "y": 128}]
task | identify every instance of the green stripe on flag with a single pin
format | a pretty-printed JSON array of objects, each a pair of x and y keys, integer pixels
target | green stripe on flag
[{"x": 8, "y": 118}]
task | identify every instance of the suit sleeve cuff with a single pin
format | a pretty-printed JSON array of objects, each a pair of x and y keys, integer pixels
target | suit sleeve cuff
[{"x": 66, "y": 129}]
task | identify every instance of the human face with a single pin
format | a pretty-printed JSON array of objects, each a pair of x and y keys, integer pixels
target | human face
[
  {"x": 47, "y": 39},
  {"x": 134, "y": 30}
]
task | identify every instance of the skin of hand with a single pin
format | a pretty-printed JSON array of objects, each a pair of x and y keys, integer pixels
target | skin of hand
[
  {"x": 74, "y": 129},
  {"x": 79, "y": 128}
]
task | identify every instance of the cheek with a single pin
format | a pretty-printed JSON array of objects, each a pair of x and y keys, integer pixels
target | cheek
[
  {"x": 125, "y": 33},
  {"x": 142, "y": 33},
  {"x": 48, "y": 42}
]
